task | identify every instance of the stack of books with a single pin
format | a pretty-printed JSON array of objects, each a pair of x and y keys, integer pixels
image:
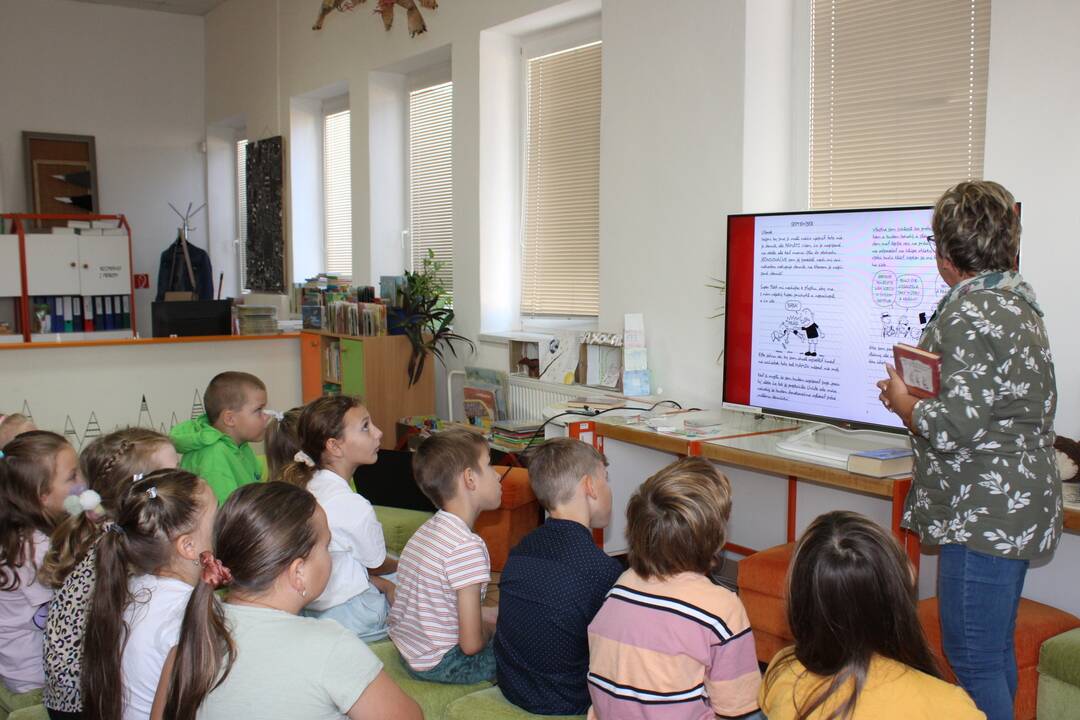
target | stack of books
[
  {"x": 257, "y": 319},
  {"x": 514, "y": 435},
  {"x": 355, "y": 318}
]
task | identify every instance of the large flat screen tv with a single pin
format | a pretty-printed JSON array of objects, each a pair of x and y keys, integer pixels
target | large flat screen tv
[{"x": 815, "y": 303}]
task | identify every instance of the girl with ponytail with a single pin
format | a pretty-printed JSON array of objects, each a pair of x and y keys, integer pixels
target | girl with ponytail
[
  {"x": 37, "y": 472},
  {"x": 253, "y": 656},
  {"x": 337, "y": 435},
  {"x": 109, "y": 464},
  {"x": 147, "y": 563}
]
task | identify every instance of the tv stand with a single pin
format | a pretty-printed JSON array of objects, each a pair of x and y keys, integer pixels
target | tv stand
[{"x": 829, "y": 445}]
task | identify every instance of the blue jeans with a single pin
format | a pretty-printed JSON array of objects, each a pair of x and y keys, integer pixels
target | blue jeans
[
  {"x": 978, "y": 596},
  {"x": 457, "y": 668}
]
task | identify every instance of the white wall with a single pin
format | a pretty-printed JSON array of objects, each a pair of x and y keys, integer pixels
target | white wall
[{"x": 134, "y": 80}]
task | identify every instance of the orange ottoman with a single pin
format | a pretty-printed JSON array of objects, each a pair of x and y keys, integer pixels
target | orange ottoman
[
  {"x": 518, "y": 514},
  {"x": 763, "y": 590},
  {"x": 1035, "y": 623}
]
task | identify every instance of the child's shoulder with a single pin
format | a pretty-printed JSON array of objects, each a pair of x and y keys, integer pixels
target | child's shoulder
[{"x": 694, "y": 590}]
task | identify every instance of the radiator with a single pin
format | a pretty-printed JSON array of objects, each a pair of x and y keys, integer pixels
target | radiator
[{"x": 529, "y": 397}]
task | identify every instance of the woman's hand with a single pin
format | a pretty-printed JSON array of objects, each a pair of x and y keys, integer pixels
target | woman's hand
[{"x": 895, "y": 395}]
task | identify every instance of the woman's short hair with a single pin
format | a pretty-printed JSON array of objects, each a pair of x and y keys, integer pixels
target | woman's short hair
[{"x": 977, "y": 227}]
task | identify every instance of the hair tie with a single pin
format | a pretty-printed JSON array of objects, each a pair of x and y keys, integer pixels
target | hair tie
[
  {"x": 1, "y": 454},
  {"x": 152, "y": 492},
  {"x": 85, "y": 501},
  {"x": 136, "y": 477},
  {"x": 279, "y": 416},
  {"x": 115, "y": 528},
  {"x": 214, "y": 573},
  {"x": 303, "y": 457}
]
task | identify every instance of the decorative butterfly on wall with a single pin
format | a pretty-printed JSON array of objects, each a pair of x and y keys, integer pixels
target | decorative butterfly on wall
[{"x": 384, "y": 8}]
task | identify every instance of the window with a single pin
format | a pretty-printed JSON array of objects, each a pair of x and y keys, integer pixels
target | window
[
  {"x": 560, "y": 263},
  {"x": 241, "y": 211},
  {"x": 431, "y": 179},
  {"x": 898, "y": 99},
  {"x": 337, "y": 193}
]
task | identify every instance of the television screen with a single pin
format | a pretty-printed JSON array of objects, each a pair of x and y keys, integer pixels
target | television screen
[{"x": 815, "y": 303}]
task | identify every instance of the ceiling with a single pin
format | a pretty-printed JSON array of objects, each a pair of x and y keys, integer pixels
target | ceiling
[{"x": 184, "y": 7}]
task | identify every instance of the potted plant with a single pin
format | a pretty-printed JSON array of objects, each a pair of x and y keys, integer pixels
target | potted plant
[{"x": 426, "y": 317}]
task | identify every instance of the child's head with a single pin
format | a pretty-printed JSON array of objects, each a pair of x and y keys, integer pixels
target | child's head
[
  {"x": 454, "y": 462},
  {"x": 851, "y": 595},
  {"x": 162, "y": 527},
  {"x": 234, "y": 403},
  {"x": 109, "y": 464},
  {"x": 281, "y": 442},
  {"x": 335, "y": 431},
  {"x": 12, "y": 425},
  {"x": 565, "y": 471},
  {"x": 274, "y": 539},
  {"x": 677, "y": 520}
]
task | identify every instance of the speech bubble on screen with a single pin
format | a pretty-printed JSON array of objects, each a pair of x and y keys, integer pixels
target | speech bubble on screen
[
  {"x": 792, "y": 305},
  {"x": 884, "y": 288},
  {"x": 909, "y": 291}
]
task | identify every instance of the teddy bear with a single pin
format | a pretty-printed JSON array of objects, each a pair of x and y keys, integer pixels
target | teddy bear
[{"x": 1068, "y": 462}]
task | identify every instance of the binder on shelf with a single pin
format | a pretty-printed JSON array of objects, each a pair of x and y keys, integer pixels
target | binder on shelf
[
  {"x": 88, "y": 314},
  {"x": 55, "y": 324},
  {"x": 125, "y": 302},
  {"x": 69, "y": 316},
  {"x": 110, "y": 316},
  {"x": 99, "y": 313}
]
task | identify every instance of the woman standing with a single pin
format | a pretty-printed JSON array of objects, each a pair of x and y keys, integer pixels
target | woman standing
[{"x": 986, "y": 487}]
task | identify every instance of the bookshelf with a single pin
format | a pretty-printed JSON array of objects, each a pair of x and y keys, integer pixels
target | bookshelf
[
  {"x": 373, "y": 368},
  {"x": 62, "y": 274}
]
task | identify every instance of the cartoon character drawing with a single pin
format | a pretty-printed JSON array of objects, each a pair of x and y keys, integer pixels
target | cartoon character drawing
[
  {"x": 808, "y": 330},
  {"x": 783, "y": 334}
]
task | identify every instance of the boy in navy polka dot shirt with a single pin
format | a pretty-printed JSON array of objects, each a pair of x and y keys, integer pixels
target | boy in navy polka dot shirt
[{"x": 554, "y": 582}]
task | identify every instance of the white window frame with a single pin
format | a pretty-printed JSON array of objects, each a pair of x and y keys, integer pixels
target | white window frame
[
  {"x": 241, "y": 212},
  {"x": 333, "y": 106}
]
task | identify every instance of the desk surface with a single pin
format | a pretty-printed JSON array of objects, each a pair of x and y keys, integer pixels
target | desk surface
[{"x": 752, "y": 444}]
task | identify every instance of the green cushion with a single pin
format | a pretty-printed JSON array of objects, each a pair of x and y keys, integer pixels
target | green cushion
[
  {"x": 399, "y": 525},
  {"x": 13, "y": 701},
  {"x": 491, "y": 705},
  {"x": 1056, "y": 700},
  {"x": 1059, "y": 657},
  {"x": 433, "y": 697},
  {"x": 34, "y": 712}
]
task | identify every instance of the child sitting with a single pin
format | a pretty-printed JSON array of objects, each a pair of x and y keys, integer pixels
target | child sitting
[
  {"x": 13, "y": 425},
  {"x": 252, "y": 657},
  {"x": 436, "y": 621},
  {"x": 667, "y": 643},
  {"x": 147, "y": 565},
  {"x": 859, "y": 649},
  {"x": 337, "y": 436},
  {"x": 281, "y": 442},
  {"x": 37, "y": 472},
  {"x": 109, "y": 464},
  {"x": 215, "y": 446},
  {"x": 555, "y": 578}
]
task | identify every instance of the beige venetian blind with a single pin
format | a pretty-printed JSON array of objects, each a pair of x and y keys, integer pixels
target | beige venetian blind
[
  {"x": 898, "y": 99},
  {"x": 431, "y": 178},
  {"x": 337, "y": 192},
  {"x": 560, "y": 264},
  {"x": 241, "y": 210}
]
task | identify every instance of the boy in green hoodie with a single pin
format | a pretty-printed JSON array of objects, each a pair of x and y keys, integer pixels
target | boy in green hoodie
[{"x": 215, "y": 446}]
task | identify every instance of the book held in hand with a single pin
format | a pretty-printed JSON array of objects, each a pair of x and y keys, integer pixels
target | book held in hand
[
  {"x": 919, "y": 369},
  {"x": 882, "y": 462}
]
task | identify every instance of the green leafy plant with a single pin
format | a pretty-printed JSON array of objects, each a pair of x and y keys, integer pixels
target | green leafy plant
[{"x": 427, "y": 318}]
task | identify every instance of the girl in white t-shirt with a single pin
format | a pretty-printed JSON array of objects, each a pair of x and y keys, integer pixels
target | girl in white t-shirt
[
  {"x": 251, "y": 656},
  {"x": 147, "y": 564},
  {"x": 38, "y": 470},
  {"x": 336, "y": 436}
]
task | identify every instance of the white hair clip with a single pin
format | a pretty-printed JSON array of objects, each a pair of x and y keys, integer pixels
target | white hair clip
[
  {"x": 152, "y": 492},
  {"x": 136, "y": 477},
  {"x": 279, "y": 416},
  {"x": 303, "y": 457}
]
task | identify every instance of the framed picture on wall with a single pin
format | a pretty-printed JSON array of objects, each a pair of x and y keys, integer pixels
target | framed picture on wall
[{"x": 61, "y": 174}]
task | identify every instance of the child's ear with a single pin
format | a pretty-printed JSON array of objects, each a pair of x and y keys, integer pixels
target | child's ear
[
  {"x": 296, "y": 575},
  {"x": 590, "y": 486},
  {"x": 468, "y": 479},
  {"x": 228, "y": 418},
  {"x": 184, "y": 545}
]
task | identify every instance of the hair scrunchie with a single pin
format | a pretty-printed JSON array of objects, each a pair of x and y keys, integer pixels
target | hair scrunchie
[
  {"x": 214, "y": 573},
  {"x": 279, "y": 416},
  {"x": 303, "y": 457},
  {"x": 86, "y": 501}
]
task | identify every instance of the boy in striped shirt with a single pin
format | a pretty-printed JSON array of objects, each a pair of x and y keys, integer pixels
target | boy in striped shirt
[
  {"x": 667, "y": 643},
  {"x": 437, "y": 622}
]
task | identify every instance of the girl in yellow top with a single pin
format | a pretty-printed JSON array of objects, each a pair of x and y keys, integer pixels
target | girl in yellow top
[{"x": 859, "y": 652}]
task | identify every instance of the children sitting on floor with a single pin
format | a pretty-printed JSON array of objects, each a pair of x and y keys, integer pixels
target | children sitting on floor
[
  {"x": 109, "y": 465},
  {"x": 336, "y": 436},
  {"x": 37, "y": 473},
  {"x": 147, "y": 565},
  {"x": 668, "y": 643},
  {"x": 859, "y": 649},
  {"x": 13, "y": 425},
  {"x": 556, "y": 579},
  {"x": 437, "y": 622},
  {"x": 215, "y": 445},
  {"x": 251, "y": 656}
]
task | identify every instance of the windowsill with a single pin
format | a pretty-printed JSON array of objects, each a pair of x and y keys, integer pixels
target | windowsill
[{"x": 535, "y": 329}]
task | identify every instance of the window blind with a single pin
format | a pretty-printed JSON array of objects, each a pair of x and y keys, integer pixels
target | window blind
[
  {"x": 431, "y": 179},
  {"x": 337, "y": 191},
  {"x": 560, "y": 264},
  {"x": 898, "y": 99},
  {"x": 241, "y": 210}
]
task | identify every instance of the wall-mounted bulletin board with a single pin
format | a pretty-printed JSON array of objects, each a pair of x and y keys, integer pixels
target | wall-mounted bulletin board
[{"x": 265, "y": 216}]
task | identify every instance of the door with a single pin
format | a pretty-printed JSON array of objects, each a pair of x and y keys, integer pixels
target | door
[
  {"x": 310, "y": 366},
  {"x": 104, "y": 265},
  {"x": 352, "y": 368},
  {"x": 52, "y": 266}
]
